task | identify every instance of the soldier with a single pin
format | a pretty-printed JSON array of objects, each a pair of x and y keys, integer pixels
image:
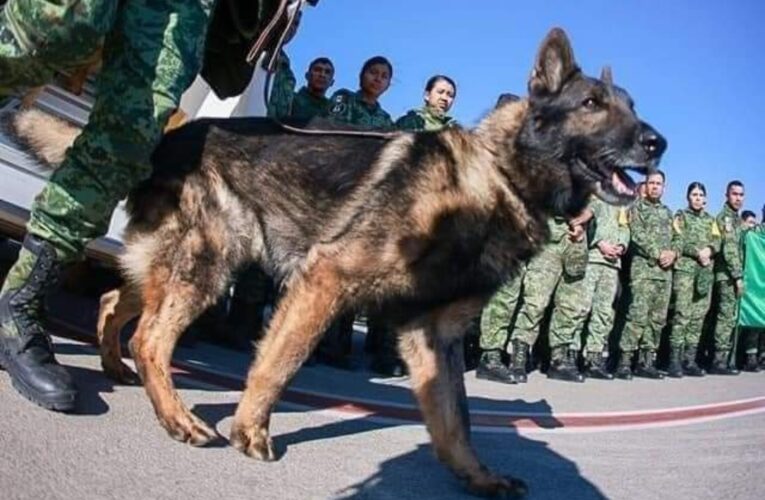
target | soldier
[
  {"x": 147, "y": 66},
  {"x": 440, "y": 92},
  {"x": 283, "y": 85},
  {"x": 609, "y": 242},
  {"x": 363, "y": 107},
  {"x": 729, "y": 277},
  {"x": 496, "y": 320},
  {"x": 751, "y": 335},
  {"x": 696, "y": 235},
  {"x": 311, "y": 100},
  {"x": 559, "y": 269},
  {"x": 650, "y": 280}
]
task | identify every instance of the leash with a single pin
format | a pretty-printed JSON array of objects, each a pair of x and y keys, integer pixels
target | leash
[{"x": 259, "y": 47}]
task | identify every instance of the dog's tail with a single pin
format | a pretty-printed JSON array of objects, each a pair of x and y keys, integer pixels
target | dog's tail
[{"x": 41, "y": 135}]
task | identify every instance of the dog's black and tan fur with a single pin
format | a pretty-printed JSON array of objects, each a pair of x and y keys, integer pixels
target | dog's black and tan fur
[{"x": 425, "y": 226}]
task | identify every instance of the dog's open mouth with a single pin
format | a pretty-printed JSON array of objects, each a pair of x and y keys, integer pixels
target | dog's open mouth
[{"x": 613, "y": 184}]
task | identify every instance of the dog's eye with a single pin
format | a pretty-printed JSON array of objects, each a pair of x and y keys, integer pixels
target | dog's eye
[{"x": 591, "y": 103}]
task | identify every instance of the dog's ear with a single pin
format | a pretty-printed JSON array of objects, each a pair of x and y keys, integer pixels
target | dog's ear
[
  {"x": 554, "y": 64},
  {"x": 606, "y": 76}
]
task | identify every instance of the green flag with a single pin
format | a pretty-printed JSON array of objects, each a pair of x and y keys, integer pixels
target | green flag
[{"x": 752, "y": 312}]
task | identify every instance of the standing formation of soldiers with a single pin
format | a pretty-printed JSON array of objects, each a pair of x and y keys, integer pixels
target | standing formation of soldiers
[{"x": 684, "y": 260}]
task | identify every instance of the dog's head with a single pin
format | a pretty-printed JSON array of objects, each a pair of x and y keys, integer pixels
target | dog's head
[{"x": 585, "y": 128}]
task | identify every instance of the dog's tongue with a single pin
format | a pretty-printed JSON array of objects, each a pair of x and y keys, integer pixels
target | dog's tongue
[{"x": 620, "y": 185}]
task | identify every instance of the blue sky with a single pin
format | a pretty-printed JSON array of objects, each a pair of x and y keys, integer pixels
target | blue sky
[{"x": 694, "y": 68}]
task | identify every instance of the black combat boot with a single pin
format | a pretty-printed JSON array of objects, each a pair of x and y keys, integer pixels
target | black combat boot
[
  {"x": 491, "y": 367},
  {"x": 690, "y": 367},
  {"x": 675, "y": 369},
  {"x": 518, "y": 361},
  {"x": 563, "y": 365},
  {"x": 596, "y": 367},
  {"x": 646, "y": 367},
  {"x": 751, "y": 364},
  {"x": 624, "y": 371},
  {"x": 26, "y": 350},
  {"x": 720, "y": 365}
]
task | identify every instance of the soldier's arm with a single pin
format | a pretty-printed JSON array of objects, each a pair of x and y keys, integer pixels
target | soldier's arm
[
  {"x": 680, "y": 237},
  {"x": 714, "y": 237},
  {"x": 730, "y": 251},
  {"x": 283, "y": 91}
]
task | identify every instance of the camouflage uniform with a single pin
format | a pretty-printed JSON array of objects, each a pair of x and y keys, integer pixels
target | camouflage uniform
[
  {"x": 728, "y": 268},
  {"x": 281, "y": 100},
  {"x": 348, "y": 107},
  {"x": 692, "y": 283},
  {"x": 305, "y": 105},
  {"x": 601, "y": 281},
  {"x": 147, "y": 66},
  {"x": 650, "y": 285},
  {"x": 559, "y": 269},
  {"x": 424, "y": 119},
  {"x": 498, "y": 313}
]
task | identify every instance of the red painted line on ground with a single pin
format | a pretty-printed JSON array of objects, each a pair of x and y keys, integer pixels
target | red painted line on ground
[{"x": 493, "y": 420}]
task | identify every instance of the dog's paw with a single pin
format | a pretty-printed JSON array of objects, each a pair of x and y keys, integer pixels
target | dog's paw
[
  {"x": 254, "y": 442},
  {"x": 493, "y": 486},
  {"x": 187, "y": 428},
  {"x": 121, "y": 373}
]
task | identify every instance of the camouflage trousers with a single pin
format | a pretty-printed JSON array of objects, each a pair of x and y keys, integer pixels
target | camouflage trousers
[
  {"x": 646, "y": 315},
  {"x": 690, "y": 310},
  {"x": 545, "y": 276},
  {"x": 601, "y": 283},
  {"x": 152, "y": 52},
  {"x": 727, "y": 305},
  {"x": 498, "y": 313}
]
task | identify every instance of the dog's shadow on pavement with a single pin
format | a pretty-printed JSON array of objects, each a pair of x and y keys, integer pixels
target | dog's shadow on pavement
[{"x": 418, "y": 474}]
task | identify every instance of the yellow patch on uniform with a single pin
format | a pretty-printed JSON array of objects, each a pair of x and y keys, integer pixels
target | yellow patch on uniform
[
  {"x": 677, "y": 224},
  {"x": 728, "y": 225},
  {"x": 623, "y": 218},
  {"x": 715, "y": 230}
]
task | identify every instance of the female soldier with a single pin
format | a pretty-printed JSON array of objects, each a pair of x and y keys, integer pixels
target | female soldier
[
  {"x": 356, "y": 108},
  {"x": 698, "y": 237},
  {"x": 362, "y": 107},
  {"x": 440, "y": 92}
]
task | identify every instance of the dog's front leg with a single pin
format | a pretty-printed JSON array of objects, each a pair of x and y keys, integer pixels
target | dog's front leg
[
  {"x": 429, "y": 354},
  {"x": 305, "y": 311}
]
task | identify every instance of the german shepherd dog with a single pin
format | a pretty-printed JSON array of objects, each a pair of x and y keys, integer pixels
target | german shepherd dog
[{"x": 423, "y": 225}]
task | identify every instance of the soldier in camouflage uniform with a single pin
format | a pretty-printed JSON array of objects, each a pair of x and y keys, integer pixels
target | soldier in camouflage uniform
[
  {"x": 696, "y": 236},
  {"x": 729, "y": 278},
  {"x": 559, "y": 269},
  {"x": 440, "y": 92},
  {"x": 311, "y": 100},
  {"x": 496, "y": 320},
  {"x": 751, "y": 335},
  {"x": 147, "y": 65},
  {"x": 653, "y": 256},
  {"x": 609, "y": 242},
  {"x": 363, "y": 107},
  {"x": 282, "y": 89}
]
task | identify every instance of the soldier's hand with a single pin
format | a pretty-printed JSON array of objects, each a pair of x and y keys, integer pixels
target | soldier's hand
[
  {"x": 705, "y": 254},
  {"x": 576, "y": 233},
  {"x": 666, "y": 258},
  {"x": 739, "y": 288},
  {"x": 583, "y": 218}
]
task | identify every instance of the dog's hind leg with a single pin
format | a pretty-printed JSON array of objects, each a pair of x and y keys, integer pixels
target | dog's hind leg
[
  {"x": 305, "y": 311},
  {"x": 424, "y": 345},
  {"x": 118, "y": 307},
  {"x": 170, "y": 303}
]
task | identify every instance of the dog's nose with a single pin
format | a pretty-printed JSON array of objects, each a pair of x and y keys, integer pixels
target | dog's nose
[{"x": 653, "y": 143}]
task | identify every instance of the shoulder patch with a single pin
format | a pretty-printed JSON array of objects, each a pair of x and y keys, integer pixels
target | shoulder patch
[
  {"x": 728, "y": 225},
  {"x": 678, "y": 223},
  {"x": 715, "y": 229},
  {"x": 623, "y": 218}
]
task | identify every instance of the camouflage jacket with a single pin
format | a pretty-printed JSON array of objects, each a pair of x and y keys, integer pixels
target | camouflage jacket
[
  {"x": 423, "y": 119},
  {"x": 609, "y": 223},
  {"x": 691, "y": 232},
  {"x": 305, "y": 105},
  {"x": 348, "y": 107},
  {"x": 729, "y": 262},
  {"x": 282, "y": 89},
  {"x": 651, "y": 233}
]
